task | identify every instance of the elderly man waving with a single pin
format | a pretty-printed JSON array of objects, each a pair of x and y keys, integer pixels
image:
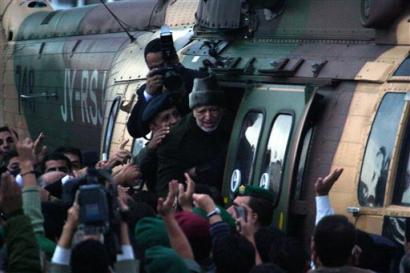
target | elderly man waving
[{"x": 197, "y": 144}]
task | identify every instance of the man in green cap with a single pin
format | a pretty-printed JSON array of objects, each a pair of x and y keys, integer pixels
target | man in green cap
[
  {"x": 197, "y": 144},
  {"x": 254, "y": 200}
]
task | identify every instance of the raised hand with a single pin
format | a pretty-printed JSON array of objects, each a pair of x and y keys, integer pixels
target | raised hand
[
  {"x": 157, "y": 137},
  {"x": 155, "y": 82},
  {"x": 324, "y": 185},
  {"x": 25, "y": 150},
  {"x": 128, "y": 175},
  {"x": 204, "y": 201},
  {"x": 39, "y": 150},
  {"x": 166, "y": 208},
  {"x": 246, "y": 226},
  {"x": 185, "y": 196},
  {"x": 120, "y": 157}
]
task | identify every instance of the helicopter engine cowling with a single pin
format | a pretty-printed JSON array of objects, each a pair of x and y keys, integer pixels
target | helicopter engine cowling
[{"x": 380, "y": 13}]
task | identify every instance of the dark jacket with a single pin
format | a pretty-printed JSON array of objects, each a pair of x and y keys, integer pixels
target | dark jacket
[
  {"x": 148, "y": 162},
  {"x": 188, "y": 146},
  {"x": 134, "y": 124},
  {"x": 22, "y": 251}
]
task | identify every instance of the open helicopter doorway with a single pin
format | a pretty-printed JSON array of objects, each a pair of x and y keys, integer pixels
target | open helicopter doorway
[{"x": 269, "y": 147}]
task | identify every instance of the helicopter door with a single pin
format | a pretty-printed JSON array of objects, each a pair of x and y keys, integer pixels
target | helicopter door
[{"x": 267, "y": 139}]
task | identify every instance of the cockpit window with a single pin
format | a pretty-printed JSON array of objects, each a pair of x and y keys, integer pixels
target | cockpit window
[
  {"x": 373, "y": 176},
  {"x": 274, "y": 158},
  {"x": 404, "y": 69},
  {"x": 402, "y": 185},
  {"x": 247, "y": 147}
]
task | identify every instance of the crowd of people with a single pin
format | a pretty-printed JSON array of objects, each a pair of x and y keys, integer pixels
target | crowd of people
[{"x": 177, "y": 221}]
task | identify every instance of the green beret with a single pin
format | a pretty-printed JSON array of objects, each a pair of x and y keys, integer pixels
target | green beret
[
  {"x": 164, "y": 260},
  {"x": 254, "y": 191},
  {"x": 226, "y": 217},
  {"x": 151, "y": 231}
]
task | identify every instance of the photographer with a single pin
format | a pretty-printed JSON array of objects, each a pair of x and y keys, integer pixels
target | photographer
[
  {"x": 93, "y": 216},
  {"x": 164, "y": 66}
]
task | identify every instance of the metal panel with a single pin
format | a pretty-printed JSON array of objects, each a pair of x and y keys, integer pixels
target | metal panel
[
  {"x": 316, "y": 19},
  {"x": 136, "y": 16},
  {"x": 181, "y": 12},
  {"x": 94, "y": 19}
]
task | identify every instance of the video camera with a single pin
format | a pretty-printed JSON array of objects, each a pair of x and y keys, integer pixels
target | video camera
[
  {"x": 99, "y": 208},
  {"x": 97, "y": 198},
  {"x": 171, "y": 72}
]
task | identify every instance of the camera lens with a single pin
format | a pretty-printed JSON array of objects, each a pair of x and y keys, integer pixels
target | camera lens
[{"x": 172, "y": 80}]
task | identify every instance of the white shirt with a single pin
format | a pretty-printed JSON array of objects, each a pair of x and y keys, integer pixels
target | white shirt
[
  {"x": 147, "y": 95},
  {"x": 323, "y": 207},
  {"x": 62, "y": 255}
]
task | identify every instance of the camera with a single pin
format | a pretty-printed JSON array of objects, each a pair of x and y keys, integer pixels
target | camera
[
  {"x": 97, "y": 198},
  {"x": 93, "y": 204},
  {"x": 167, "y": 44},
  {"x": 171, "y": 77},
  {"x": 99, "y": 208},
  {"x": 171, "y": 72},
  {"x": 241, "y": 212}
]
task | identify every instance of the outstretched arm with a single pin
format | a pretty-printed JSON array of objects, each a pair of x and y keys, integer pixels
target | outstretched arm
[
  {"x": 177, "y": 238},
  {"x": 322, "y": 189},
  {"x": 22, "y": 252}
]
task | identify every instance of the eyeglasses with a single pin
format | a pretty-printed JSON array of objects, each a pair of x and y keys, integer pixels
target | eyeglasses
[
  {"x": 57, "y": 169},
  {"x": 9, "y": 140}
]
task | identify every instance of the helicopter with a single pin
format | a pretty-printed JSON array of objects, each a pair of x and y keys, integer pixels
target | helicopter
[{"x": 313, "y": 85}]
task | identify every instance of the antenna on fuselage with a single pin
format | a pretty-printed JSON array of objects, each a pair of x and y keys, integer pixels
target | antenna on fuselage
[{"x": 132, "y": 38}]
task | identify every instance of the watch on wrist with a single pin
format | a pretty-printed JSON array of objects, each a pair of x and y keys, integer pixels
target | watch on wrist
[{"x": 215, "y": 211}]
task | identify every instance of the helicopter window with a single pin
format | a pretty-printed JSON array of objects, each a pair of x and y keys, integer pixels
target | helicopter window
[
  {"x": 248, "y": 144},
  {"x": 109, "y": 129},
  {"x": 275, "y": 152},
  {"x": 402, "y": 190},
  {"x": 37, "y": 4},
  {"x": 379, "y": 149},
  {"x": 404, "y": 69}
]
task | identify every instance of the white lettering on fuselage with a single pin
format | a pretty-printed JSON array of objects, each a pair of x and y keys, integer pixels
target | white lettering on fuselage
[{"x": 89, "y": 98}]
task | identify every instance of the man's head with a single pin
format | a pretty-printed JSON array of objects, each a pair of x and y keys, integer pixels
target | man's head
[
  {"x": 161, "y": 111},
  {"x": 56, "y": 162},
  {"x": 154, "y": 56},
  {"x": 196, "y": 229},
  {"x": 11, "y": 162},
  {"x": 333, "y": 240},
  {"x": 73, "y": 154},
  {"x": 259, "y": 200},
  {"x": 234, "y": 254},
  {"x": 89, "y": 256},
  {"x": 6, "y": 140},
  {"x": 289, "y": 254},
  {"x": 207, "y": 101}
]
